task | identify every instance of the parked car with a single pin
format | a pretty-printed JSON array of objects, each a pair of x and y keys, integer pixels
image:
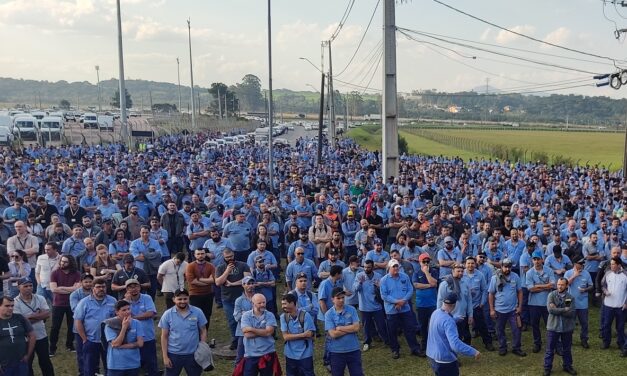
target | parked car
[
  {"x": 26, "y": 127},
  {"x": 90, "y": 120},
  {"x": 51, "y": 128},
  {"x": 6, "y": 137}
]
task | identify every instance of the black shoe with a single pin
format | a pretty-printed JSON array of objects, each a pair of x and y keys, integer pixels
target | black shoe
[
  {"x": 395, "y": 355},
  {"x": 570, "y": 370},
  {"x": 559, "y": 352},
  {"x": 71, "y": 349},
  {"x": 502, "y": 352},
  {"x": 219, "y": 306},
  {"x": 623, "y": 354},
  {"x": 547, "y": 372},
  {"x": 605, "y": 347},
  {"x": 419, "y": 353},
  {"x": 584, "y": 344},
  {"x": 519, "y": 352},
  {"x": 475, "y": 335},
  {"x": 233, "y": 346},
  {"x": 536, "y": 349},
  {"x": 52, "y": 353},
  {"x": 489, "y": 347}
]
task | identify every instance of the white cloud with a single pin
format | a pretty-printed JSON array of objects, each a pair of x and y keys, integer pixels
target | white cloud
[
  {"x": 504, "y": 37},
  {"x": 557, "y": 36},
  {"x": 485, "y": 35},
  {"x": 295, "y": 32},
  {"x": 60, "y": 14}
]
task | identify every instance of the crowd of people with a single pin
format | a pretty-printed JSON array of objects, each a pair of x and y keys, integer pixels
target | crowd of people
[{"x": 443, "y": 253}]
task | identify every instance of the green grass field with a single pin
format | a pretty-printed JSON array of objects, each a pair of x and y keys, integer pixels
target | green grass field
[
  {"x": 603, "y": 148},
  {"x": 378, "y": 361}
]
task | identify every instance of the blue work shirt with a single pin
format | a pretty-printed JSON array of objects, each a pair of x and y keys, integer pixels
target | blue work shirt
[
  {"x": 539, "y": 277},
  {"x": 124, "y": 359},
  {"x": 443, "y": 343},
  {"x": 308, "y": 301},
  {"x": 514, "y": 250},
  {"x": 378, "y": 257},
  {"x": 445, "y": 255},
  {"x": 582, "y": 281},
  {"x": 241, "y": 305},
  {"x": 300, "y": 348},
  {"x": 348, "y": 278},
  {"x": 216, "y": 250},
  {"x": 268, "y": 258},
  {"x": 505, "y": 299},
  {"x": 193, "y": 228},
  {"x": 139, "y": 247},
  {"x": 333, "y": 319},
  {"x": 396, "y": 288},
  {"x": 325, "y": 266},
  {"x": 261, "y": 345},
  {"x": 309, "y": 247},
  {"x": 364, "y": 286},
  {"x": 463, "y": 308},
  {"x": 142, "y": 305},
  {"x": 554, "y": 264},
  {"x": 324, "y": 293},
  {"x": 184, "y": 331},
  {"x": 263, "y": 276},
  {"x": 293, "y": 268},
  {"x": 74, "y": 247},
  {"x": 478, "y": 288},
  {"x": 92, "y": 312},
  {"x": 239, "y": 235},
  {"x": 425, "y": 298}
]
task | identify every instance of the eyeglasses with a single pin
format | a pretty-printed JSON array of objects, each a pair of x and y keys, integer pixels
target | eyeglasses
[
  {"x": 15, "y": 257},
  {"x": 299, "y": 254},
  {"x": 395, "y": 266}
]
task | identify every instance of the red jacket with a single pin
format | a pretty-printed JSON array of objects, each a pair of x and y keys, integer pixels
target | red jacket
[{"x": 262, "y": 363}]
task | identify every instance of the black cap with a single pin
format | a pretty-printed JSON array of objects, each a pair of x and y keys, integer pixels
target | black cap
[{"x": 451, "y": 298}]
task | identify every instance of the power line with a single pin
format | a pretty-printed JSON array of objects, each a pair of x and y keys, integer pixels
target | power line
[
  {"x": 361, "y": 40},
  {"x": 347, "y": 12},
  {"x": 525, "y": 36},
  {"x": 369, "y": 61},
  {"x": 512, "y": 56}
]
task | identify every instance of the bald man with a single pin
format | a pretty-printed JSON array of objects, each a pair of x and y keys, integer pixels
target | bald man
[{"x": 258, "y": 327}]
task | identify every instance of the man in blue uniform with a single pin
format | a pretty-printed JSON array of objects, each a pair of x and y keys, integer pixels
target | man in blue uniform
[
  {"x": 444, "y": 344},
  {"x": 298, "y": 330},
  {"x": 396, "y": 292},
  {"x": 341, "y": 323},
  {"x": 366, "y": 285},
  {"x": 540, "y": 281}
]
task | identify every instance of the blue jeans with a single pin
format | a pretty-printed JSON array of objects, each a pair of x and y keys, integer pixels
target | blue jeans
[
  {"x": 582, "y": 316},
  {"x": 372, "y": 319},
  {"x": 239, "y": 353},
  {"x": 251, "y": 367},
  {"x": 535, "y": 314},
  {"x": 18, "y": 368},
  {"x": 444, "y": 369},
  {"x": 299, "y": 367},
  {"x": 350, "y": 360},
  {"x": 525, "y": 314},
  {"x": 46, "y": 293},
  {"x": 148, "y": 355},
  {"x": 609, "y": 315},
  {"x": 79, "y": 354},
  {"x": 228, "y": 307},
  {"x": 92, "y": 353},
  {"x": 180, "y": 362},
  {"x": 552, "y": 339},
  {"x": 501, "y": 320},
  {"x": 407, "y": 322}
]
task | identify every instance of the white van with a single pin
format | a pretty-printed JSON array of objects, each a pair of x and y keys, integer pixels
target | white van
[
  {"x": 210, "y": 144},
  {"x": 51, "y": 128},
  {"x": 25, "y": 126},
  {"x": 262, "y": 135},
  {"x": 6, "y": 137},
  {"x": 38, "y": 115},
  {"x": 6, "y": 121},
  {"x": 90, "y": 120},
  {"x": 105, "y": 123},
  {"x": 230, "y": 140}
]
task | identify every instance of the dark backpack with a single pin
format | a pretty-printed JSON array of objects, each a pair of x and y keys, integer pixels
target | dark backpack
[{"x": 301, "y": 320}]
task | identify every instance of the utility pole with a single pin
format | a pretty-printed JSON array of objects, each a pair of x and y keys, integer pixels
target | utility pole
[
  {"x": 226, "y": 108},
  {"x": 270, "y": 120},
  {"x": 219, "y": 103},
  {"x": 152, "y": 109},
  {"x": 389, "y": 106},
  {"x": 625, "y": 151},
  {"x": 98, "y": 78},
  {"x": 178, "y": 73},
  {"x": 198, "y": 98},
  {"x": 487, "y": 90},
  {"x": 345, "y": 113},
  {"x": 127, "y": 137},
  {"x": 332, "y": 100},
  {"x": 191, "y": 75},
  {"x": 321, "y": 121}
]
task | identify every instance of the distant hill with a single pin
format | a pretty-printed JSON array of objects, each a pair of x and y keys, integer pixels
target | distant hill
[{"x": 482, "y": 89}]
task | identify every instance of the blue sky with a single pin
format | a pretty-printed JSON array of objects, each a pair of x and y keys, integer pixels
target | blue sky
[{"x": 64, "y": 39}]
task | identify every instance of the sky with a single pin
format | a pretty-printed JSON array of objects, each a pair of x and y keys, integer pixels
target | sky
[{"x": 65, "y": 39}]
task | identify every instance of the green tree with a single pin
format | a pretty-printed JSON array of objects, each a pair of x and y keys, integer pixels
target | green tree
[
  {"x": 249, "y": 93},
  {"x": 64, "y": 104},
  {"x": 115, "y": 100},
  {"x": 225, "y": 92}
]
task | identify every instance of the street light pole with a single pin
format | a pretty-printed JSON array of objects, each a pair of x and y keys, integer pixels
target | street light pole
[
  {"x": 98, "y": 78},
  {"x": 178, "y": 73},
  {"x": 191, "y": 74},
  {"x": 126, "y": 136},
  {"x": 270, "y": 146}
]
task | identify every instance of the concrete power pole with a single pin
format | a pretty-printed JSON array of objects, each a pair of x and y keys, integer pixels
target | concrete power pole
[
  {"x": 178, "y": 73},
  {"x": 389, "y": 106},
  {"x": 191, "y": 75},
  {"x": 219, "y": 104},
  {"x": 332, "y": 130},
  {"x": 98, "y": 78},
  {"x": 270, "y": 107},
  {"x": 127, "y": 137}
]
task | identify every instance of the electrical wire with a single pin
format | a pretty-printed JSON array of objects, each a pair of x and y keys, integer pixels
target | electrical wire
[
  {"x": 369, "y": 61},
  {"x": 347, "y": 12},
  {"x": 524, "y": 35},
  {"x": 513, "y": 56},
  {"x": 374, "y": 72},
  {"x": 361, "y": 40}
]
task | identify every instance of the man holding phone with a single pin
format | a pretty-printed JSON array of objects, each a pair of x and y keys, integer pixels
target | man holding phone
[{"x": 560, "y": 327}]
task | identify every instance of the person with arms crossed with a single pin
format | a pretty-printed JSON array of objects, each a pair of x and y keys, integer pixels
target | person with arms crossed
[
  {"x": 341, "y": 323},
  {"x": 63, "y": 282},
  {"x": 298, "y": 330},
  {"x": 579, "y": 285},
  {"x": 560, "y": 327},
  {"x": 17, "y": 340},
  {"x": 258, "y": 325}
]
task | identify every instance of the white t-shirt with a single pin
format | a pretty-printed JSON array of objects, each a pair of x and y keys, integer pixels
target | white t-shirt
[
  {"x": 617, "y": 286},
  {"x": 37, "y": 303},
  {"x": 45, "y": 266},
  {"x": 173, "y": 275}
]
